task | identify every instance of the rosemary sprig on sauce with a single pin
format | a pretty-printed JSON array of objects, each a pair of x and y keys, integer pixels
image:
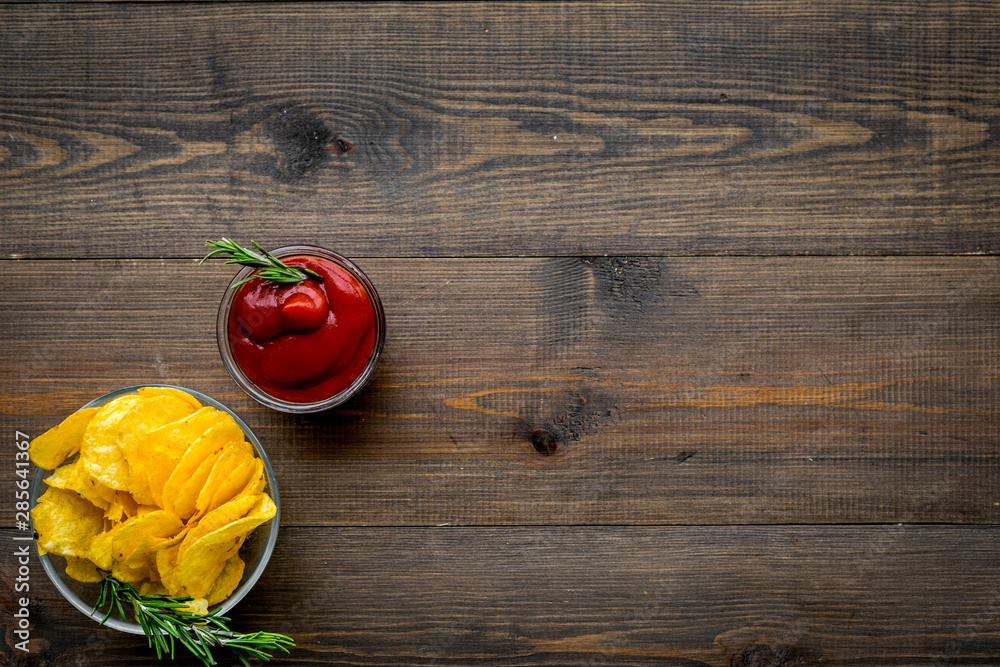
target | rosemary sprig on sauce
[
  {"x": 268, "y": 266},
  {"x": 166, "y": 622}
]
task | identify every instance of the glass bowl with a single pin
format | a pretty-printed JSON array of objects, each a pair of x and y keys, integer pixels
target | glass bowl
[
  {"x": 256, "y": 551},
  {"x": 257, "y": 393}
]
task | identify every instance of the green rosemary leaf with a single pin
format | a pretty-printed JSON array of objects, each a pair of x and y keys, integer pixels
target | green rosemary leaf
[
  {"x": 166, "y": 622},
  {"x": 268, "y": 266}
]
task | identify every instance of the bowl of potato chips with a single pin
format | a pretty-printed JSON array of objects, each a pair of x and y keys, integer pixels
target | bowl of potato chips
[{"x": 163, "y": 488}]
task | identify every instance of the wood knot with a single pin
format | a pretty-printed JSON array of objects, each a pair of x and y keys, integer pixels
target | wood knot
[
  {"x": 763, "y": 655},
  {"x": 544, "y": 442},
  {"x": 339, "y": 144},
  {"x": 299, "y": 137}
]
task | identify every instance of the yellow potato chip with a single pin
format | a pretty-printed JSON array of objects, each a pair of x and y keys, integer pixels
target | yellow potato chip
[
  {"x": 211, "y": 444},
  {"x": 203, "y": 561},
  {"x": 52, "y": 448},
  {"x": 217, "y": 518},
  {"x": 82, "y": 569},
  {"x": 74, "y": 477},
  {"x": 122, "y": 507},
  {"x": 99, "y": 448},
  {"x": 169, "y": 443},
  {"x": 183, "y": 501},
  {"x": 141, "y": 531},
  {"x": 197, "y": 606},
  {"x": 142, "y": 510},
  {"x": 257, "y": 480},
  {"x": 153, "y": 588},
  {"x": 149, "y": 414},
  {"x": 263, "y": 510},
  {"x": 166, "y": 568},
  {"x": 100, "y": 549},
  {"x": 66, "y": 523},
  {"x": 64, "y": 477},
  {"x": 170, "y": 391},
  {"x": 229, "y": 474},
  {"x": 227, "y": 581},
  {"x": 129, "y": 575}
]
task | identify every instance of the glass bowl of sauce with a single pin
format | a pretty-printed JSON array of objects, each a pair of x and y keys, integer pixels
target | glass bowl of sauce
[{"x": 305, "y": 347}]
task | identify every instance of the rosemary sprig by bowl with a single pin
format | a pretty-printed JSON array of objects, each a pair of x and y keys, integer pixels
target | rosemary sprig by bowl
[{"x": 255, "y": 551}]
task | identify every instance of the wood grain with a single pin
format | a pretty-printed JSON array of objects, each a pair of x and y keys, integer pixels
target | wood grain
[
  {"x": 516, "y": 129},
  {"x": 676, "y": 596},
  {"x": 615, "y": 390}
]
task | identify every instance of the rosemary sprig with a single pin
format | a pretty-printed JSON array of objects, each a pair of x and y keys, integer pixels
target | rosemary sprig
[
  {"x": 166, "y": 622},
  {"x": 268, "y": 266}
]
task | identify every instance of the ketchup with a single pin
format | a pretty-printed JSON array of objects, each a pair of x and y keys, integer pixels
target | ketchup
[{"x": 307, "y": 341}]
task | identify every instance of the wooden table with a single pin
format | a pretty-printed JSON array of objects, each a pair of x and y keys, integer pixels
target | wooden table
[{"x": 692, "y": 307}]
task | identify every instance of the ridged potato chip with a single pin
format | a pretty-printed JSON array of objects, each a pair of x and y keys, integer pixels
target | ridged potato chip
[
  {"x": 227, "y": 581},
  {"x": 74, "y": 477},
  {"x": 191, "y": 472},
  {"x": 202, "y": 563},
  {"x": 52, "y": 448},
  {"x": 83, "y": 569},
  {"x": 66, "y": 523},
  {"x": 170, "y": 391},
  {"x": 168, "y": 444},
  {"x": 148, "y": 415},
  {"x": 229, "y": 474},
  {"x": 99, "y": 448}
]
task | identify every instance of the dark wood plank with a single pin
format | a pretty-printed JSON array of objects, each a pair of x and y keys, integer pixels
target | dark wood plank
[
  {"x": 677, "y": 596},
  {"x": 511, "y": 129},
  {"x": 576, "y": 391}
]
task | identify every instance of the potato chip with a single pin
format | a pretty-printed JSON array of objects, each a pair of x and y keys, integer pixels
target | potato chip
[
  {"x": 146, "y": 392},
  {"x": 141, "y": 531},
  {"x": 218, "y": 518},
  {"x": 66, "y": 523},
  {"x": 229, "y": 474},
  {"x": 183, "y": 501},
  {"x": 169, "y": 443},
  {"x": 74, "y": 477},
  {"x": 190, "y": 474},
  {"x": 99, "y": 448},
  {"x": 153, "y": 588},
  {"x": 64, "y": 477},
  {"x": 257, "y": 481},
  {"x": 166, "y": 566},
  {"x": 82, "y": 569},
  {"x": 227, "y": 581},
  {"x": 122, "y": 507},
  {"x": 52, "y": 448},
  {"x": 197, "y": 606},
  {"x": 204, "y": 560},
  {"x": 130, "y": 575},
  {"x": 263, "y": 510},
  {"x": 147, "y": 415},
  {"x": 100, "y": 549}
]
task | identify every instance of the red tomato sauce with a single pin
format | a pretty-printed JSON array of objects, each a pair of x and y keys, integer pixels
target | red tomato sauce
[{"x": 304, "y": 342}]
